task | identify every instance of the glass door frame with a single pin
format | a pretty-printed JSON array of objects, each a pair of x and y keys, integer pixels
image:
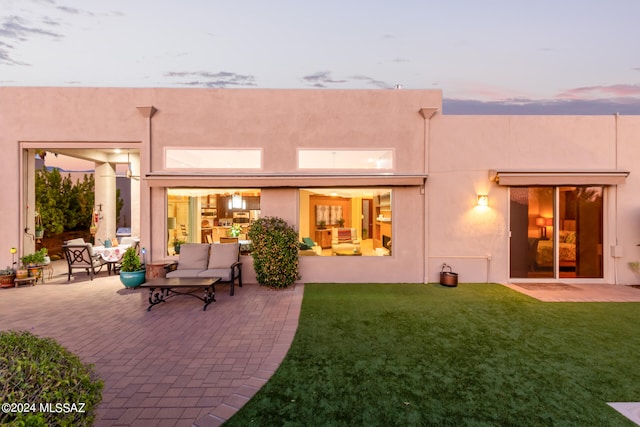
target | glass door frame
[{"x": 605, "y": 230}]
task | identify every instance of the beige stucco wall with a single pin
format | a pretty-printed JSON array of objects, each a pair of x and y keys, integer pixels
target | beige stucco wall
[
  {"x": 278, "y": 121},
  {"x": 463, "y": 149},
  {"x": 437, "y": 224}
]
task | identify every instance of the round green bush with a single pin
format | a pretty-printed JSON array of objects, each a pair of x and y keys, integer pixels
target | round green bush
[
  {"x": 43, "y": 384},
  {"x": 274, "y": 249}
]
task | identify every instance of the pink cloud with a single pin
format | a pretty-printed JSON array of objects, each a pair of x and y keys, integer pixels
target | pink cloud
[
  {"x": 485, "y": 92},
  {"x": 593, "y": 92}
]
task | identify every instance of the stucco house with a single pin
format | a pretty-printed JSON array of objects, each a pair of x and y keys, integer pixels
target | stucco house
[{"x": 386, "y": 186}]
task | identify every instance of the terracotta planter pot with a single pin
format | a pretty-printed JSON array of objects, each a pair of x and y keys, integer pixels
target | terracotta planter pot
[
  {"x": 7, "y": 281},
  {"x": 23, "y": 273},
  {"x": 35, "y": 272}
]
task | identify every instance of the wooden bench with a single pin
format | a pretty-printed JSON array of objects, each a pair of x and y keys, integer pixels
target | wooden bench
[{"x": 26, "y": 281}]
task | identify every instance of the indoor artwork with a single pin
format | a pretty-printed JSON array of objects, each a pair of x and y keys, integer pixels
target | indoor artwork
[{"x": 326, "y": 214}]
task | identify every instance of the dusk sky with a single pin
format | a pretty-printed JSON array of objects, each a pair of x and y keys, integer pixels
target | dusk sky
[{"x": 488, "y": 57}]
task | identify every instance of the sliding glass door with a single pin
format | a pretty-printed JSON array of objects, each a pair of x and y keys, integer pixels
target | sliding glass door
[{"x": 556, "y": 232}]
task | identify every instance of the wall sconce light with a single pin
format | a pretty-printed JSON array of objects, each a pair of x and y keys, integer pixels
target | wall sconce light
[
  {"x": 483, "y": 200},
  {"x": 13, "y": 255},
  {"x": 542, "y": 223}
]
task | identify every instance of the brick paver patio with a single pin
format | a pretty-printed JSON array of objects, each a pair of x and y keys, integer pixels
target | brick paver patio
[{"x": 173, "y": 366}]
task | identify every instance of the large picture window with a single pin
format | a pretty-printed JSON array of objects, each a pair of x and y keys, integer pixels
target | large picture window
[
  {"x": 346, "y": 222},
  {"x": 207, "y": 215}
]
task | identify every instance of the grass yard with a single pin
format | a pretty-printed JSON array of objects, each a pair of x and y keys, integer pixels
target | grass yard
[{"x": 477, "y": 354}]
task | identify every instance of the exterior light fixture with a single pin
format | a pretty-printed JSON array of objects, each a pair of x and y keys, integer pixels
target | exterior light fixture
[
  {"x": 483, "y": 200},
  {"x": 13, "y": 256}
]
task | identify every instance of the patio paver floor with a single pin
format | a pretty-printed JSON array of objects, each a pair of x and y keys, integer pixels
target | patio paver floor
[{"x": 174, "y": 365}]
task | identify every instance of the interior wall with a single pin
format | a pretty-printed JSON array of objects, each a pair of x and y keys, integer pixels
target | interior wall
[
  {"x": 304, "y": 225},
  {"x": 320, "y": 200}
]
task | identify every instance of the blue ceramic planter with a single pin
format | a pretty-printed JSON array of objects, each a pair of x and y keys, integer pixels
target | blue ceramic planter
[{"x": 131, "y": 279}]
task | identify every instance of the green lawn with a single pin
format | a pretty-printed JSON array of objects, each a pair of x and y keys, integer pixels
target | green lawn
[{"x": 477, "y": 354}]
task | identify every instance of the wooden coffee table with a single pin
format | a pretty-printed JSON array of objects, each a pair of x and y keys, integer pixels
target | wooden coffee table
[{"x": 162, "y": 289}]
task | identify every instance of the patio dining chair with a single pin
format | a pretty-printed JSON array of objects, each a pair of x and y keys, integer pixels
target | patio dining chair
[{"x": 81, "y": 257}]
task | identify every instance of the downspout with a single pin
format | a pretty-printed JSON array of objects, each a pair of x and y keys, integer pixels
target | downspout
[
  {"x": 145, "y": 192},
  {"x": 615, "y": 259},
  {"x": 427, "y": 114}
]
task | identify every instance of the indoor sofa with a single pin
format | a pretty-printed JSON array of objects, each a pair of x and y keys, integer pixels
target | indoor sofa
[{"x": 201, "y": 260}]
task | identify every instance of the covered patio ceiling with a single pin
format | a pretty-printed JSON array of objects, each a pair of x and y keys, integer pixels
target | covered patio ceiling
[{"x": 97, "y": 155}]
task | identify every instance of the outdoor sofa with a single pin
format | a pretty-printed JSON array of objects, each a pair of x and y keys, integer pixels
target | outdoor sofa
[{"x": 202, "y": 260}]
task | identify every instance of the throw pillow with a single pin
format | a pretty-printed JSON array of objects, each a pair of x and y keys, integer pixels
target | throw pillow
[
  {"x": 78, "y": 241},
  {"x": 344, "y": 235},
  {"x": 90, "y": 247},
  {"x": 223, "y": 255},
  {"x": 307, "y": 241},
  {"x": 193, "y": 256}
]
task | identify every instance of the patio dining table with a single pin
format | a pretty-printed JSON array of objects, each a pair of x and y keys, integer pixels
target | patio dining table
[{"x": 112, "y": 255}]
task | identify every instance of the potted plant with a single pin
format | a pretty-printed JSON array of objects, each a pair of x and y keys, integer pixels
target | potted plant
[
  {"x": 22, "y": 273},
  {"x": 235, "y": 230},
  {"x": 7, "y": 277},
  {"x": 322, "y": 225},
  {"x": 132, "y": 271},
  {"x": 39, "y": 231},
  {"x": 45, "y": 254},
  {"x": 176, "y": 245},
  {"x": 341, "y": 222},
  {"x": 33, "y": 262}
]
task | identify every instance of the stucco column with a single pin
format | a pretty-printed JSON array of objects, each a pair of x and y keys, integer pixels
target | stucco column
[
  {"x": 29, "y": 207},
  {"x": 134, "y": 183},
  {"x": 427, "y": 114},
  {"x": 105, "y": 199}
]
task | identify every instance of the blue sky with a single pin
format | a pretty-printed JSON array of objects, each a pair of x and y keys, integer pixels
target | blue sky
[{"x": 488, "y": 57}]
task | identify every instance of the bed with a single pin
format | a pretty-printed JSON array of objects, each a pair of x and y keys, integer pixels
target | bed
[{"x": 566, "y": 247}]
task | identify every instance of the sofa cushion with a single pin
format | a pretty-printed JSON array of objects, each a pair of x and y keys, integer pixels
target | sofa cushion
[
  {"x": 307, "y": 241},
  {"x": 90, "y": 247},
  {"x": 223, "y": 273},
  {"x": 193, "y": 256},
  {"x": 223, "y": 255},
  {"x": 303, "y": 246},
  {"x": 184, "y": 273}
]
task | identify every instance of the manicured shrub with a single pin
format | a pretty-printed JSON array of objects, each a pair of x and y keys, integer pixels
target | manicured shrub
[
  {"x": 43, "y": 384},
  {"x": 275, "y": 252}
]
